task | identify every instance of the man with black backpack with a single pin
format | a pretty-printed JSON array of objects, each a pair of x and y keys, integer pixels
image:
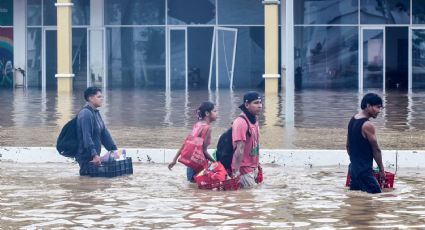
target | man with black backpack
[
  {"x": 246, "y": 140},
  {"x": 91, "y": 131}
]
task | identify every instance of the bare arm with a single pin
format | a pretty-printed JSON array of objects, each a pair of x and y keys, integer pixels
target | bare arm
[
  {"x": 205, "y": 146},
  {"x": 238, "y": 155},
  {"x": 369, "y": 132},
  {"x": 171, "y": 165}
]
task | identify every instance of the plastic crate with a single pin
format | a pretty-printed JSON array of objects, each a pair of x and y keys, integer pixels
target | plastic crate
[
  {"x": 227, "y": 185},
  {"x": 389, "y": 180},
  {"x": 112, "y": 168}
]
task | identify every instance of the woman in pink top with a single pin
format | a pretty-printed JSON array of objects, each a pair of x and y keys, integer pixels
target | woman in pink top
[{"x": 206, "y": 115}]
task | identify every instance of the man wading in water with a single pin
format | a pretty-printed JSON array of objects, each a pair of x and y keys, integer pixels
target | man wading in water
[{"x": 362, "y": 146}]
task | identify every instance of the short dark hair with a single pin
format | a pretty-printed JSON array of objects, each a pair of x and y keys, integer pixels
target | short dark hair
[
  {"x": 203, "y": 109},
  {"x": 91, "y": 91},
  {"x": 371, "y": 99}
]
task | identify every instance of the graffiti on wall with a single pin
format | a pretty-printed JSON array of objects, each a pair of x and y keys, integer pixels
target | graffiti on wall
[{"x": 6, "y": 57}]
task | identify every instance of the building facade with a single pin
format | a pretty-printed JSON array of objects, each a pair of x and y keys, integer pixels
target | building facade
[{"x": 205, "y": 44}]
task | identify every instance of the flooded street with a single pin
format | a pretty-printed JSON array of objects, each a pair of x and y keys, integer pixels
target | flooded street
[
  {"x": 53, "y": 196},
  {"x": 155, "y": 119}
]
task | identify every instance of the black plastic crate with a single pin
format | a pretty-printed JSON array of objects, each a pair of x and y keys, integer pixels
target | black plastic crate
[{"x": 112, "y": 168}]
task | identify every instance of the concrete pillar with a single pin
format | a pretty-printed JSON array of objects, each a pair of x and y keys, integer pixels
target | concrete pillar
[
  {"x": 271, "y": 55},
  {"x": 64, "y": 27},
  {"x": 289, "y": 63},
  {"x": 19, "y": 40}
]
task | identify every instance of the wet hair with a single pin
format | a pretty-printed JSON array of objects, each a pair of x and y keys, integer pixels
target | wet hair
[
  {"x": 203, "y": 109},
  {"x": 91, "y": 91},
  {"x": 371, "y": 99}
]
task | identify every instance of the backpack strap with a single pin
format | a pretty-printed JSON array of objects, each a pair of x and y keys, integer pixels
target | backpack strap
[{"x": 247, "y": 123}]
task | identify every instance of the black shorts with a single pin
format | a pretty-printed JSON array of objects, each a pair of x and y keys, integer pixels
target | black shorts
[{"x": 365, "y": 182}]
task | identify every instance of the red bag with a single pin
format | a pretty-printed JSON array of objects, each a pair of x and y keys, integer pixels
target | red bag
[
  {"x": 215, "y": 173},
  {"x": 259, "y": 178},
  {"x": 192, "y": 154}
]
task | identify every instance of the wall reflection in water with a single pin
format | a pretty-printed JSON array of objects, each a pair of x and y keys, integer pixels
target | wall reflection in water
[{"x": 154, "y": 111}]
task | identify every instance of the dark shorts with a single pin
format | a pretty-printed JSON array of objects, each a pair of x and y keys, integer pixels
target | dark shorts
[{"x": 365, "y": 182}]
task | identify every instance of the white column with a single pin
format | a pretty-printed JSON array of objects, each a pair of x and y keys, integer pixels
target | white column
[
  {"x": 290, "y": 86},
  {"x": 19, "y": 39}
]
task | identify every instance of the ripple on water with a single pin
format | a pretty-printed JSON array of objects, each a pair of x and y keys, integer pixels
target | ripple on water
[{"x": 156, "y": 198}]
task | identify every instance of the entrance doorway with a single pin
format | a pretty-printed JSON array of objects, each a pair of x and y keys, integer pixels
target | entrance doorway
[
  {"x": 397, "y": 58},
  {"x": 384, "y": 58}
]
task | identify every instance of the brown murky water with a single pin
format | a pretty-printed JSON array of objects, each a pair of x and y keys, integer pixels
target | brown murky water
[
  {"x": 155, "y": 119},
  {"x": 53, "y": 196}
]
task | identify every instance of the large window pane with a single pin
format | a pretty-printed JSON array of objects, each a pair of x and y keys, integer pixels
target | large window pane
[
  {"x": 33, "y": 72},
  {"x": 6, "y": 13},
  {"x": 130, "y": 12},
  {"x": 199, "y": 56},
  {"x": 249, "y": 60},
  {"x": 418, "y": 7},
  {"x": 240, "y": 12},
  {"x": 373, "y": 58},
  {"x": 326, "y": 12},
  {"x": 80, "y": 12},
  {"x": 136, "y": 57},
  {"x": 418, "y": 59},
  {"x": 191, "y": 12},
  {"x": 34, "y": 12},
  {"x": 326, "y": 57},
  {"x": 385, "y": 12},
  {"x": 49, "y": 13}
]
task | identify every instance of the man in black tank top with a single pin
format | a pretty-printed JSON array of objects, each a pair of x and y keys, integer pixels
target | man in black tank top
[{"x": 362, "y": 146}]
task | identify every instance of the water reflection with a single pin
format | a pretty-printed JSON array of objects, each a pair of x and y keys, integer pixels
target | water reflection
[
  {"x": 54, "y": 196},
  {"x": 320, "y": 117}
]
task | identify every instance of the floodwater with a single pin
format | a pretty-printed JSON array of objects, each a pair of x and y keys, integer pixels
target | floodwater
[
  {"x": 156, "y": 119},
  {"x": 53, "y": 196}
]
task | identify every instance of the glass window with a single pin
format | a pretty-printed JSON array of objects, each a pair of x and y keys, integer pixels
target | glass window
[
  {"x": 418, "y": 59},
  {"x": 249, "y": 60},
  {"x": 326, "y": 12},
  {"x": 191, "y": 12},
  {"x": 326, "y": 57},
  {"x": 199, "y": 56},
  {"x": 136, "y": 57},
  {"x": 240, "y": 12},
  {"x": 34, "y": 12},
  {"x": 6, "y": 13},
  {"x": 6, "y": 57},
  {"x": 418, "y": 7},
  {"x": 33, "y": 72},
  {"x": 80, "y": 12},
  {"x": 49, "y": 12},
  {"x": 385, "y": 11},
  {"x": 130, "y": 12}
]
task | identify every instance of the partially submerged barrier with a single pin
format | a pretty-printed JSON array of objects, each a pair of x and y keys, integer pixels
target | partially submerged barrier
[{"x": 284, "y": 157}]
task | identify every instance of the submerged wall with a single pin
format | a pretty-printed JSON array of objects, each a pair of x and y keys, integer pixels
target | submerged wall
[{"x": 284, "y": 157}]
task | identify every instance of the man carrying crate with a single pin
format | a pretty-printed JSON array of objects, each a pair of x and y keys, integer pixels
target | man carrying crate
[
  {"x": 362, "y": 146},
  {"x": 246, "y": 140}
]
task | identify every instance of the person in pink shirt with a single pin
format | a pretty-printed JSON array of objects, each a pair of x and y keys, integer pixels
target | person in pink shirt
[
  {"x": 246, "y": 140},
  {"x": 206, "y": 114}
]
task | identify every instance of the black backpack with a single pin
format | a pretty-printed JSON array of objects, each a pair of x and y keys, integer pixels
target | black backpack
[
  {"x": 67, "y": 143},
  {"x": 225, "y": 148}
]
